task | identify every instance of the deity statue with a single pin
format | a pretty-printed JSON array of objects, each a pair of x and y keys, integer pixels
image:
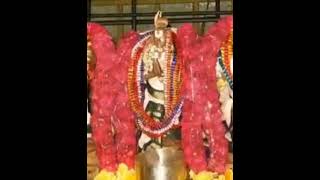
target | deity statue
[
  {"x": 154, "y": 60},
  {"x": 224, "y": 73},
  {"x": 154, "y": 93}
]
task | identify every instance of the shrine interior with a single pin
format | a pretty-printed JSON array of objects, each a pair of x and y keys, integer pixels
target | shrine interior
[{"x": 119, "y": 17}]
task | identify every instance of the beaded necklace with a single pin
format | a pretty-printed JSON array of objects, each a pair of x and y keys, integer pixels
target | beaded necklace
[
  {"x": 224, "y": 59},
  {"x": 136, "y": 88}
]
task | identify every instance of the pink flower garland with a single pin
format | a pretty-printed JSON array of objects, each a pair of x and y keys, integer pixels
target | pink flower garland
[
  {"x": 111, "y": 115},
  {"x": 201, "y": 111}
]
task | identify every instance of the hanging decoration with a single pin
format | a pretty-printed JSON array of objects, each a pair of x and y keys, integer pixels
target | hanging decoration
[
  {"x": 113, "y": 128},
  {"x": 225, "y": 59},
  {"x": 201, "y": 110}
]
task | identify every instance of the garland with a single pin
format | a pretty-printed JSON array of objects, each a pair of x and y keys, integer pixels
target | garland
[
  {"x": 136, "y": 88},
  {"x": 113, "y": 128},
  {"x": 102, "y": 129},
  {"x": 224, "y": 59},
  {"x": 202, "y": 114}
]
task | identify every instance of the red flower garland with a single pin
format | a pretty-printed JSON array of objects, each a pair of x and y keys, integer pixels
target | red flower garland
[
  {"x": 111, "y": 115},
  {"x": 125, "y": 126},
  {"x": 201, "y": 111}
]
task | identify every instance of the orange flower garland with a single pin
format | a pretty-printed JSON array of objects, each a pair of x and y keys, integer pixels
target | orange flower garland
[{"x": 225, "y": 59}]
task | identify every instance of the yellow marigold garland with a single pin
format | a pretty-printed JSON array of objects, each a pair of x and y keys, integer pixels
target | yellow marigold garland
[
  {"x": 203, "y": 175},
  {"x": 123, "y": 173},
  {"x": 207, "y": 175},
  {"x": 105, "y": 175}
]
